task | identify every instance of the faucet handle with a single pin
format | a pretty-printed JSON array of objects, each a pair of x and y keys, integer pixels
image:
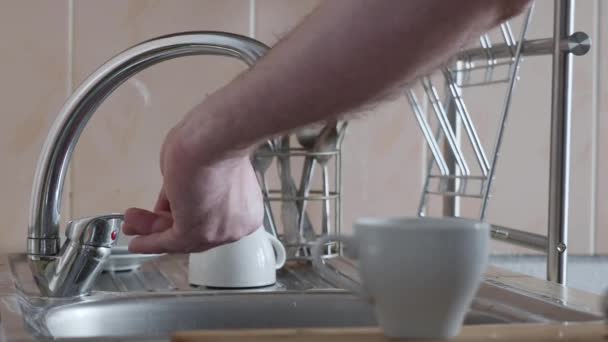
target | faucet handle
[
  {"x": 96, "y": 231},
  {"x": 88, "y": 246}
]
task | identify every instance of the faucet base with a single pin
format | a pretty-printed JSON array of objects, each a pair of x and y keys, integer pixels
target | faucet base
[
  {"x": 71, "y": 275},
  {"x": 43, "y": 246}
]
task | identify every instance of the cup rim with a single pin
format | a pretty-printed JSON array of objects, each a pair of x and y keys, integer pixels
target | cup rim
[{"x": 427, "y": 223}]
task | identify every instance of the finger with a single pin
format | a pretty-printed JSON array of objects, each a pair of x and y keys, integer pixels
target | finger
[
  {"x": 162, "y": 203},
  {"x": 143, "y": 222},
  {"x": 167, "y": 241}
]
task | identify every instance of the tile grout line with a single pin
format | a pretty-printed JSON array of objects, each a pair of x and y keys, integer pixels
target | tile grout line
[
  {"x": 69, "y": 90},
  {"x": 595, "y": 66}
]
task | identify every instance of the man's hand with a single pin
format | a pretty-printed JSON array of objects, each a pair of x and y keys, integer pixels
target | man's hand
[{"x": 200, "y": 206}]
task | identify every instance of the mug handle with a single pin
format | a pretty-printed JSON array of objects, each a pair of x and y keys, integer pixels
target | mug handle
[
  {"x": 331, "y": 275},
  {"x": 279, "y": 250}
]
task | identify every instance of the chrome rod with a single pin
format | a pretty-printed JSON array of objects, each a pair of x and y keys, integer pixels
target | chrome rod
[
  {"x": 450, "y": 206},
  {"x": 427, "y": 133},
  {"x": 507, "y": 35},
  {"x": 453, "y": 194},
  {"x": 483, "y": 178},
  {"x": 519, "y": 237},
  {"x": 473, "y": 67},
  {"x": 462, "y": 111},
  {"x": 338, "y": 200},
  {"x": 577, "y": 43},
  {"x": 486, "y": 45},
  {"x": 424, "y": 196},
  {"x": 440, "y": 112},
  {"x": 504, "y": 115},
  {"x": 559, "y": 163},
  {"x": 484, "y": 83}
]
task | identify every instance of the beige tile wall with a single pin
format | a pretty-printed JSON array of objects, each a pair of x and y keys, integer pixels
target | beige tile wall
[
  {"x": 32, "y": 88},
  {"x": 116, "y": 161},
  {"x": 584, "y": 101}
]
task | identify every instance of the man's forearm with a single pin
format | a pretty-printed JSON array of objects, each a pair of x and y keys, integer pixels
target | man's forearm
[{"x": 346, "y": 53}]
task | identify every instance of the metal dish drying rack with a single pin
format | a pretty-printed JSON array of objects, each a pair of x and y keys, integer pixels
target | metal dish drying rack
[
  {"x": 452, "y": 177},
  {"x": 287, "y": 206}
]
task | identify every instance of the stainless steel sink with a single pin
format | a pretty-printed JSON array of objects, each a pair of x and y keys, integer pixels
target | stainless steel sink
[
  {"x": 155, "y": 301},
  {"x": 161, "y": 315}
]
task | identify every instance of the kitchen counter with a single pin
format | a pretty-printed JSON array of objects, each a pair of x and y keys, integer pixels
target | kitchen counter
[
  {"x": 512, "y": 297},
  {"x": 581, "y": 332}
]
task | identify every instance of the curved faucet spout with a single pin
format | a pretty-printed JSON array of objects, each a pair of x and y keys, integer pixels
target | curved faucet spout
[{"x": 43, "y": 230}]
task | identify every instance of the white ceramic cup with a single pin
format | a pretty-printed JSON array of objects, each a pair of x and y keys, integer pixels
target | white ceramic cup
[
  {"x": 250, "y": 262},
  {"x": 420, "y": 274}
]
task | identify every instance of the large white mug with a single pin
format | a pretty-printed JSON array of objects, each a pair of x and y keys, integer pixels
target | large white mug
[
  {"x": 250, "y": 262},
  {"x": 420, "y": 274}
]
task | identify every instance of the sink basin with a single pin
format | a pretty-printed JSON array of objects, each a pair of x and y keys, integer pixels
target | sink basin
[
  {"x": 156, "y": 300},
  {"x": 161, "y": 315}
]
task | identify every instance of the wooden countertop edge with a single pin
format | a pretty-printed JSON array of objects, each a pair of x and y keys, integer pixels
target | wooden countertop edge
[{"x": 587, "y": 331}]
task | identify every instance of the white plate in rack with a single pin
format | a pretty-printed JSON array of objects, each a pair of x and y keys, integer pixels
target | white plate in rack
[{"x": 122, "y": 260}]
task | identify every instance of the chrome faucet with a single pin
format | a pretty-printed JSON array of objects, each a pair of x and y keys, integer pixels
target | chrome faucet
[{"x": 71, "y": 270}]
